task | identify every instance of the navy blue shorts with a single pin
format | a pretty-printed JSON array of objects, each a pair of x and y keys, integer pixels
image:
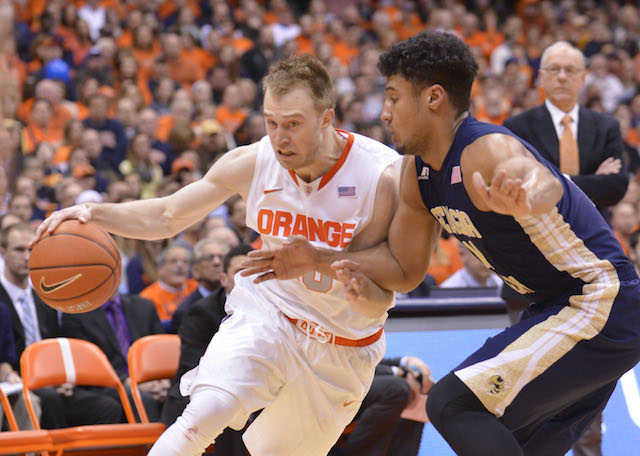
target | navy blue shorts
[{"x": 548, "y": 376}]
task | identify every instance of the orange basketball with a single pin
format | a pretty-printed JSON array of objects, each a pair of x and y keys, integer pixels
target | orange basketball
[{"x": 75, "y": 269}]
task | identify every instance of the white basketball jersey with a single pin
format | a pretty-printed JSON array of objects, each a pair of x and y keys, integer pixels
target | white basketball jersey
[{"x": 329, "y": 212}]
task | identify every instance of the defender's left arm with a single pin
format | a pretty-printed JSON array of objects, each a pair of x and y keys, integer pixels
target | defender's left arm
[{"x": 502, "y": 176}]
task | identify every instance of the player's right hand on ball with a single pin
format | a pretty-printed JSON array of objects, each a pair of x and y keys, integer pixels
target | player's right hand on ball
[
  {"x": 80, "y": 212},
  {"x": 295, "y": 257}
]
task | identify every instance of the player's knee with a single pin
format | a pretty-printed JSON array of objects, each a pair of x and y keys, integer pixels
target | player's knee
[
  {"x": 436, "y": 404},
  {"x": 209, "y": 412},
  {"x": 446, "y": 398}
]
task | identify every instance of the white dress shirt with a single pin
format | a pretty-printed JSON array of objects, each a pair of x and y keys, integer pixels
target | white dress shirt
[
  {"x": 15, "y": 292},
  {"x": 558, "y": 114},
  {"x": 462, "y": 279}
]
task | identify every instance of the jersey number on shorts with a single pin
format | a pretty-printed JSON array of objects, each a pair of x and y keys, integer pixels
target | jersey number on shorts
[{"x": 317, "y": 282}]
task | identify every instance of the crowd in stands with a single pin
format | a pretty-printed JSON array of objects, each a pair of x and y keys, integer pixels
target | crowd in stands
[
  {"x": 115, "y": 100},
  {"x": 112, "y": 100}
]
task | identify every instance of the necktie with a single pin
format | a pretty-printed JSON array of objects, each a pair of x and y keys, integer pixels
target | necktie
[
  {"x": 120, "y": 327},
  {"x": 29, "y": 320},
  {"x": 569, "y": 158}
]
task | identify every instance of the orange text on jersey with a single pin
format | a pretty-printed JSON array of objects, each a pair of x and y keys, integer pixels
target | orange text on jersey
[{"x": 282, "y": 223}]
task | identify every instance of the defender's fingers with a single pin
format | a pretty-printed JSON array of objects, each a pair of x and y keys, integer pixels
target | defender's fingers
[
  {"x": 256, "y": 262},
  {"x": 264, "y": 277},
  {"x": 263, "y": 253},
  {"x": 356, "y": 284},
  {"x": 251, "y": 271},
  {"x": 345, "y": 264}
]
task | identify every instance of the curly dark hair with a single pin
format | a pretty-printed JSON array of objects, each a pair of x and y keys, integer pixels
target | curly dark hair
[{"x": 433, "y": 57}]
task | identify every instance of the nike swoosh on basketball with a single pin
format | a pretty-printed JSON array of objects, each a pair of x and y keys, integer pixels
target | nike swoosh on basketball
[
  {"x": 348, "y": 403},
  {"x": 272, "y": 190},
  {"x": 56, "y": 286}
]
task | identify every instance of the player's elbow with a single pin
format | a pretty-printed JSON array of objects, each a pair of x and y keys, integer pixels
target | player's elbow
[
  {"x": 546, "y": 199},
  {"x": 409, "y": 282}
]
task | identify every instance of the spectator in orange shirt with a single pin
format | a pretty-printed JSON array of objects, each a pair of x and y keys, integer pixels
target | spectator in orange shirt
[
  {"x": 145, "y": 47},
  {"x": 182, "y": 70},
  {"x": 53, "y": 92},
  {"x": 129, "y": 72},
  {"x": 445, "y": 259},
  {"x": 86, "y": 89},
  {"x": 173, "y": 284},
  {"x": 181, "y": 112},
  {"x": 132, "y": 22},
  {"x": 624, "y": 219},
  {"x": 192, "y": 51},
  {"x": 40, "y": 128},
  {"x": 230, "y": 113},
  {"x": 304, "y": 41},
  {"x": 471, "y": 35},
  {"x": 72, "y": 139},
  {"x": 79, "y": 42}
]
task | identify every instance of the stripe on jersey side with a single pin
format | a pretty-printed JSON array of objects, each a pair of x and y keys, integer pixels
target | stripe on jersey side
[{"x": 498, "y": 380}]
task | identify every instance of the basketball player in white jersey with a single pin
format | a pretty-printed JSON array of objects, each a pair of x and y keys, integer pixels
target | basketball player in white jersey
[{"x": 299, "y": 348}]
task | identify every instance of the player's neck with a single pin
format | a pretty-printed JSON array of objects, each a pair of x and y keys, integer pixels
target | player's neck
[
  {"x": 331, "y": 149},
  {"x": 441, "y": 140}
]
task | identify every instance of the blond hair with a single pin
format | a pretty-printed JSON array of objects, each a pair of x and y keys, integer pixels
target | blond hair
[{"x": 301, "y": 70}]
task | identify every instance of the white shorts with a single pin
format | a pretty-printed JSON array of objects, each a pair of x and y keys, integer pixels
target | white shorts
[{"x": 310, "y": 390}]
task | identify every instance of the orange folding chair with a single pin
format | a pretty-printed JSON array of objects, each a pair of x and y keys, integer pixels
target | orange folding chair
[
  {"x": 16, "y": 441},
  {"x": 51, "y": 362},
  {"x": 152, "y": 357}
]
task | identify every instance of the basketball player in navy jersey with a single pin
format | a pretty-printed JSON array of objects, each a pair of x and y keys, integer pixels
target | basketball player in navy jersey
[{"x": 535, "y": 387}]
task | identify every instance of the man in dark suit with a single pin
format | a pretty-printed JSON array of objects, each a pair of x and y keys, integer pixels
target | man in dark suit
[
  {"x": 600, "y": 170},
  {"x": 113, "y": 327},
  {"x": 584, "y": 144},
  {"x": 33, "y": 320},
  {"x": 206, "y": 268},
  {"x": 199, "y": 325}
]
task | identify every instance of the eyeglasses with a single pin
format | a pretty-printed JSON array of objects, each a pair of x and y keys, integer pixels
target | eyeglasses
[
  {"x": 570, "y": 71},
  {"x": 210, "y": 258}
]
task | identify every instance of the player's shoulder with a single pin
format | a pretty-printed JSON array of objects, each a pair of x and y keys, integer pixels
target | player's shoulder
[
  {"x": 242, "y": 157},
  {"x": 490, "y": 150},
  {"x": 373, "y": 151},
  {"x": 366, "y": 142}
]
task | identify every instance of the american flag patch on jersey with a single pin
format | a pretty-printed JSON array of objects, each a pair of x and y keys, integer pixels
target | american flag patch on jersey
[
  {"x": 346, "y": 192},
  {"x": 455, "y": 175}
]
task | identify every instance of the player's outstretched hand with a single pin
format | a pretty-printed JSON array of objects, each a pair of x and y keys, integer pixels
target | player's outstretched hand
[
  {"x": 504, "y": 195},
  {"x": 295, "y": 257},
  {"x": 79, "y": 212},
  {"x": 350, "y": 274}
]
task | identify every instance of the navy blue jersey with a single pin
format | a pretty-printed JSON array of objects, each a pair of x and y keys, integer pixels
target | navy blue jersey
[{"x": 547, "y": 257}]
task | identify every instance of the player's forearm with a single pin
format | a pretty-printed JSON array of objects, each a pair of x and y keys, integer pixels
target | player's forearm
[
  {"x": 142, "y": 219},
  {"x": 374, "y": 301},
  {"x": 377, "y": 263}
]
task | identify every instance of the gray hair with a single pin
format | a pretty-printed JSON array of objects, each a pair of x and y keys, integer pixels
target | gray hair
[
  {"x": 162, "y": 256},
  {"x": 202, "y": 243},
  {"x": 562, "y": 45}
]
